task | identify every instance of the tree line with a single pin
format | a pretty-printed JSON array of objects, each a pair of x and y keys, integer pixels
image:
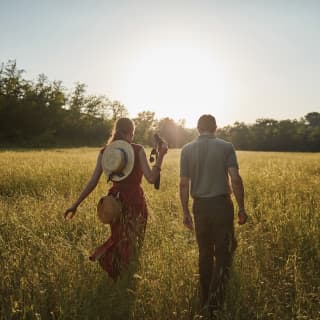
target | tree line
[
  {"x": 41, "y": 113},
  {"x": 273, "y": 135}
]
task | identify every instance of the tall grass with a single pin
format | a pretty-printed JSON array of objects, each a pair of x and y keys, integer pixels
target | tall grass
[{"x": 46, "y": 273}]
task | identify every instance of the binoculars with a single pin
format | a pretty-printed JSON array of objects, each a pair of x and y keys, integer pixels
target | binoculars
[{"x": 158, "y": 141}]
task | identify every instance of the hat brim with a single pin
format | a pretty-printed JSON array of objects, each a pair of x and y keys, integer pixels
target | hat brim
[{"x": 128, "y": 149}]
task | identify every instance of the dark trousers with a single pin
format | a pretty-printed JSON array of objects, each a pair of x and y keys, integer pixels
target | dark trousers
[{"x": 214, "y": 228}]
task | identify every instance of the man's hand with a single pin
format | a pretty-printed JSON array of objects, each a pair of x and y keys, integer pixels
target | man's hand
[
  {"x": 242, "y": 217},
  {"x": 187, "y": 221}
]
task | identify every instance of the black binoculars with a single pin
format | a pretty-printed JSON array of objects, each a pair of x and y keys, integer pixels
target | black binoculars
[{"x": 154, "y": 155}]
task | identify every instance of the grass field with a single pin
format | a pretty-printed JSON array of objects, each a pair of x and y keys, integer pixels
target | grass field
[{"x": 45, "y": 272}]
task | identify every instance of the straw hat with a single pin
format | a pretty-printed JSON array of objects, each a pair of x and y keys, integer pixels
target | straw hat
[
  {"x": 109, "y": 209},
  {"x": 118, "y": 160}
]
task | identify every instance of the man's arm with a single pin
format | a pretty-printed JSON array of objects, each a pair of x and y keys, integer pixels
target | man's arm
[
  {"x": 184, "y": 199},
  {"x": 238, "y": 190}
]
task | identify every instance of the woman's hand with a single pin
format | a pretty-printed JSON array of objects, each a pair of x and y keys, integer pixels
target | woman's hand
[
  {"x": 70, "y": 212},
  {"x": 163, "y": 149}
]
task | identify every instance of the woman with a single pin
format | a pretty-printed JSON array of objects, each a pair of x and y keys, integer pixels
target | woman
[{"x": 126, "y": 234}]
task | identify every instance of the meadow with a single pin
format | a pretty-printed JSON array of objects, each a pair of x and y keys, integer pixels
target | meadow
[{"x": 45, "y": 272}]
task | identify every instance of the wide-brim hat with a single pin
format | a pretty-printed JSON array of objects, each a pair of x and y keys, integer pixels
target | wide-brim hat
[
  {"x": 118, "y": 160},
  {"x": 109, "y": 209}
]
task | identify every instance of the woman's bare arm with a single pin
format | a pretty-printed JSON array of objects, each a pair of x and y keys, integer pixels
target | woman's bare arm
[
  {"x": 151, "y": 174},
  {"x": 92, "y": 183}
]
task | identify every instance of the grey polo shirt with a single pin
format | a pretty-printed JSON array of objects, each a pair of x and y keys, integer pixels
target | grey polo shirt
[{"x": 205, "y": 161}]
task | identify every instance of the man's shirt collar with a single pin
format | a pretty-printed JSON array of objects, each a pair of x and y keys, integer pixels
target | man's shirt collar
[{"x": 205, "y": 135}]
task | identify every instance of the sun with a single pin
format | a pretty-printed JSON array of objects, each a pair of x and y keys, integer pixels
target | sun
[{"x": 179, "y": 83}]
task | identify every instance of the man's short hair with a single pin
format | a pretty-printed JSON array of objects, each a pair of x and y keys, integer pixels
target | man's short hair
[{"x": 207, "y": 122}]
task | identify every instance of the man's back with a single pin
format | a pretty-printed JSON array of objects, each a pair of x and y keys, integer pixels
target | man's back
[{"x": 206, "y": 161}]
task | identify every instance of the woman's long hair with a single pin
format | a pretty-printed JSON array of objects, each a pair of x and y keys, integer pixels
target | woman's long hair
[{"x": 121, "y": 128}]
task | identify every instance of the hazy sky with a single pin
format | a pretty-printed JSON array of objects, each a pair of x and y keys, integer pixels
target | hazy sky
[{"x": 238, "y": 60}]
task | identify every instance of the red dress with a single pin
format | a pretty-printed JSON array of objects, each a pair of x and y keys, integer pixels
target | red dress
[{"x": 126, "y": 234}]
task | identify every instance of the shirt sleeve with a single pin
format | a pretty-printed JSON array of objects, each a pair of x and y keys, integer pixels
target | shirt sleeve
[
  {"x": 232, "y": 161},
  {"x": 184, "y": 168}
]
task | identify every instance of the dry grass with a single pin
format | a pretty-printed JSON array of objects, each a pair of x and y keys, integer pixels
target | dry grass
[{"x": 46, "y": 274}]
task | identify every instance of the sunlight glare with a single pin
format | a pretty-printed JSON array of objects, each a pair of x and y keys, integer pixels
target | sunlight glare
[{"x": 179, "y": 83}]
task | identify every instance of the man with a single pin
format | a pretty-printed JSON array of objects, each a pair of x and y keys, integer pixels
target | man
[{"x": 207, "y": 163}]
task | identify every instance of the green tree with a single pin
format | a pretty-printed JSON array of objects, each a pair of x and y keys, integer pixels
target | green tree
[
  {"x": 117, "y": 110},
  {"x": 77, "y": 100},
  {"x": 313, "y": 119},
  {"x": 146, "y": 125}
]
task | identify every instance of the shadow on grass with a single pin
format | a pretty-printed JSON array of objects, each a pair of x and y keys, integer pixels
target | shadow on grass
[{"x": 111, "y": 299}]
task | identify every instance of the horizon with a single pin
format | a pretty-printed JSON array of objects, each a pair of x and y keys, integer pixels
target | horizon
[{"x": 157, "y": 118}]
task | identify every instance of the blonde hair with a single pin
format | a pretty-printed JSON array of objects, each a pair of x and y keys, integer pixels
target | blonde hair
[{"x": 121, "y": 128}]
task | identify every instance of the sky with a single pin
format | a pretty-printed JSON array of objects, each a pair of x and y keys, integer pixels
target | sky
[{"x": 238, "y": 60}]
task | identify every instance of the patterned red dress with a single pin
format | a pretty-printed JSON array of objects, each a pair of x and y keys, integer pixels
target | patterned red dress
[{"x": 126, "y": 234}]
